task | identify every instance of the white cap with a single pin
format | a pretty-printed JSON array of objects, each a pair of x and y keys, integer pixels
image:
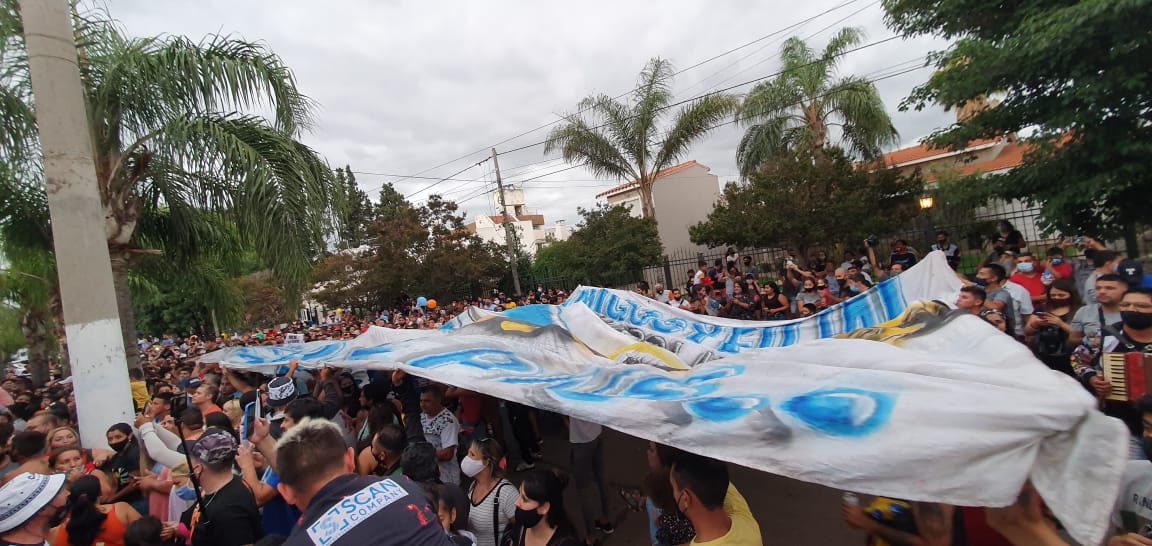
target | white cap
[{"x": 24, "y": 496}]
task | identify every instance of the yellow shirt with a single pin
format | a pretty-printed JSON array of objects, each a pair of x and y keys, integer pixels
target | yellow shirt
[
  {"x": 140, "y": 394},
  {"x": 745, "y": 531}
]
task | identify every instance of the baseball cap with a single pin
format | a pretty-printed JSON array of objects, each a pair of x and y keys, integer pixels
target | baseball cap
[
  {"x": 281, "y": 390},
  {"x": 190, "y": 383},
  {"x": 215, "y": 446},
  {"x": 24, "y": 496},
  {"x": 1132, "y": 271}
]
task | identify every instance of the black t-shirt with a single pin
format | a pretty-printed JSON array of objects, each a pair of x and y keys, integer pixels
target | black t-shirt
[
  {"x": 355, "y": 510},
  {"x": 906, "y": 259},
  {"x": 230, "y": 517},
  {"x": 560, "y": 538},
  {"x": 1014, "y": 241},
  {"x": 121, "y": 465}
]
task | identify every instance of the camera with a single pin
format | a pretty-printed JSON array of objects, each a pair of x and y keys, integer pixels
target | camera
[{"x": 872, "y": 240}]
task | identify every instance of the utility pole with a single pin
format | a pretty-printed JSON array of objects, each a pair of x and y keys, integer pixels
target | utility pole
[
  {"x": 92, "y": 321},
  {"x": 513, "y": 252}
]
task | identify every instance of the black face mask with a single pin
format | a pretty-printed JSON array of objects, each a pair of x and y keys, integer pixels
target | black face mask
[
  {"x": 809, "y": 288},
  {"x": 1136, "y": 319},
  {"x": 119, "y": 446},
  {"x": 19, "y": 409},
  {"x": 60, "y": 515},
  {"x": 528, "y": 518},
  {"x": 1059, "y": 301}
]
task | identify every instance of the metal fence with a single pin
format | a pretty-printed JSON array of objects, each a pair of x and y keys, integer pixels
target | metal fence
[{"x": 972, "y": 234}]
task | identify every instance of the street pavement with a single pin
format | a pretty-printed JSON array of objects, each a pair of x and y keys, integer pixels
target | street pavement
[{"x": 790, "y": 512}]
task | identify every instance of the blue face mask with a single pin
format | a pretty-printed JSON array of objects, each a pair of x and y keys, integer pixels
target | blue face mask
[
  {"x": 854, "y": 288},
  {"x": 1057, "y": 261},
  {"x": 186, "y": 493}
]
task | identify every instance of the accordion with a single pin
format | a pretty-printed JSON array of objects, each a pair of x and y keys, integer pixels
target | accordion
[{"x": 1129, "y": 373}]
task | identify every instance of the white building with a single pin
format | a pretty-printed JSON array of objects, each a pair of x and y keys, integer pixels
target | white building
[
  {"x": 527, "y": 225},
  {"x": 683, "y": 194}
]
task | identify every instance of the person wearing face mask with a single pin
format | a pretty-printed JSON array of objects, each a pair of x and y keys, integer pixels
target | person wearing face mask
[
  {"x": 1132, "y": 335},
  {"x": 125, "y": 466},
  {"x": 716, "y": 509},
  {"x": 30, "y": 506},
  {"x": 540, "y": 516},
  {"x": 1056, "y": 267},
  {"x": 950, "y": 250},
  {"x": 1028, "y": 275},
  {"x": 1050, "y": 331},
  {"x": 491, "y": 496},
  {"x": 1003, "y": 296},
  {"x": 382, "y": 457},
  {"x": 1132, "y": 515},
  {"x": 90, "y": 522}
]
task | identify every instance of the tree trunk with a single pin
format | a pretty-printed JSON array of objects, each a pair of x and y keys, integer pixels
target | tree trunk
[
  {"x": 124, "y": 306},
  {"x": 647, "y": 207},
  {"x": 35, "y": 332},
  {"x": 1131, "y": 240}
]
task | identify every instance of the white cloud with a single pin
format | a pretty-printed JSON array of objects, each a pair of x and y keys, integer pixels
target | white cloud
[{"x": 404, "y": 85}]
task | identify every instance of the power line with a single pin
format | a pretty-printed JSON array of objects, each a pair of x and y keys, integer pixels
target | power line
[
  {"x": 442, "y": 180},
  {"x": 731, "y": 87},
  {"x": 701, "y": 63},
  {"x": 886, "y": 71}
]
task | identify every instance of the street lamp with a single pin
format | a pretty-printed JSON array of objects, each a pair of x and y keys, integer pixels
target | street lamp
[{"x": 926, "y": 202}]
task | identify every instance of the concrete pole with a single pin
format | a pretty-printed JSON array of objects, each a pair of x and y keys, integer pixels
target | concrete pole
[
  {"x": 513, "y": 252},
  {"x": 92, "y": 322}
]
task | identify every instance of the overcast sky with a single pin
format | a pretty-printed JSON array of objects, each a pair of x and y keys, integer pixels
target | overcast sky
[{"x": 405, "y": 86}]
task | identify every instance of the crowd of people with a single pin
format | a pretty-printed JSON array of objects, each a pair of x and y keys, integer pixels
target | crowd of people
[{"x": 224, "y": 457}]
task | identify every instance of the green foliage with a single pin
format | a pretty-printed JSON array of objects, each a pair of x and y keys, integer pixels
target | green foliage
[
  {"x": 178, "y": 154},
  {"x": 624, "y": 139},
  {"x": 796, "y": 109},
  {"x": 1075, "y": 74},
  {"x": 801, "y": 200},
  {"x": 412, "y": 250},
  {"x": 11, "y": 337},
  {"x": 354, "y": 209},
  {"x": 609, "y": 246}
]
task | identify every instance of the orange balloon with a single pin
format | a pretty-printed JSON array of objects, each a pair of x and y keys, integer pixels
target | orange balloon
[{"x": 431, "y": 304}]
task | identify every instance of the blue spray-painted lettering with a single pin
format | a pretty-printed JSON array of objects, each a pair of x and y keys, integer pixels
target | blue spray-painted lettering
[
  {"x": 367, "y": 353},
  {"x": 767, "y": 337},
  {"x": 789, "y": 334},
  {"x": 824, "y": 325},
  {"x": 892, "y": 298},
  {"x": 616, "y": 309},
  {"x": 842, "y": 411},
  {"x": 726, "y": 408},
  {"x": 859, "y": 312},
  {"x": 702, "y": 331},
  {"x": 484, "y": 359},
  {"x": 738, "y": 338}
]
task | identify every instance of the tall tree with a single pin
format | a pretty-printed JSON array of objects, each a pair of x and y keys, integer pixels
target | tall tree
[
  {"x": 801, "y": 107},
  {"x": 624, "y": 140},
  {"x": 1075, "y": 74},
  {"x": 797, "y": 202},
  {"x": 609, "y": 246},
  {"x": 355, "y": 210},
  {"x": 174, "y": 148}
]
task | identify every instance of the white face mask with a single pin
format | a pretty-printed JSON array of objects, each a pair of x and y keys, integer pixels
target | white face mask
[{"x": 471, "y": 467}]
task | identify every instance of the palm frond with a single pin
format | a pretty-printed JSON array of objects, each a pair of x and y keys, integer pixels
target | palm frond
[
  {"x": 579, "y": 143},
  {"x": 274, "y": 188},
  {"x": 867, "y": 126},
  {"x": 693, "y": 121},
  {"x": 760, "y": 144}
]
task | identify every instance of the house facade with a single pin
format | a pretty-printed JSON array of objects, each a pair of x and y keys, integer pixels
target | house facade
[
  {"x": 981, "y": 157},
  {"x": 683, "y": 196},
  {"x": 527, "y": 225}
]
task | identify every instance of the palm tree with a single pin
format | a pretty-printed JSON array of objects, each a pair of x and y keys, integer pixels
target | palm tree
[
  {"x": 798, "y": 108},
  {"x": 623, "y": 140},
  {"x": 177, "y": 148}
]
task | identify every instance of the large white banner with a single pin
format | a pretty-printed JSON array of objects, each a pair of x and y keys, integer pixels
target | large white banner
[{"x": 918, "y": 401}]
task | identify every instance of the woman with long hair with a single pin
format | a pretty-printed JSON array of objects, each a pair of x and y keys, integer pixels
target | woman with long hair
[
  {"x": 74, "y": 461},
  {"x": 774, "y": 304},
  {"x": 540, "y": 516},
  {"x": 89, "y": 521},
  {"x": 493, "y": 498},
  {"x": 1048, "y": 330}
]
